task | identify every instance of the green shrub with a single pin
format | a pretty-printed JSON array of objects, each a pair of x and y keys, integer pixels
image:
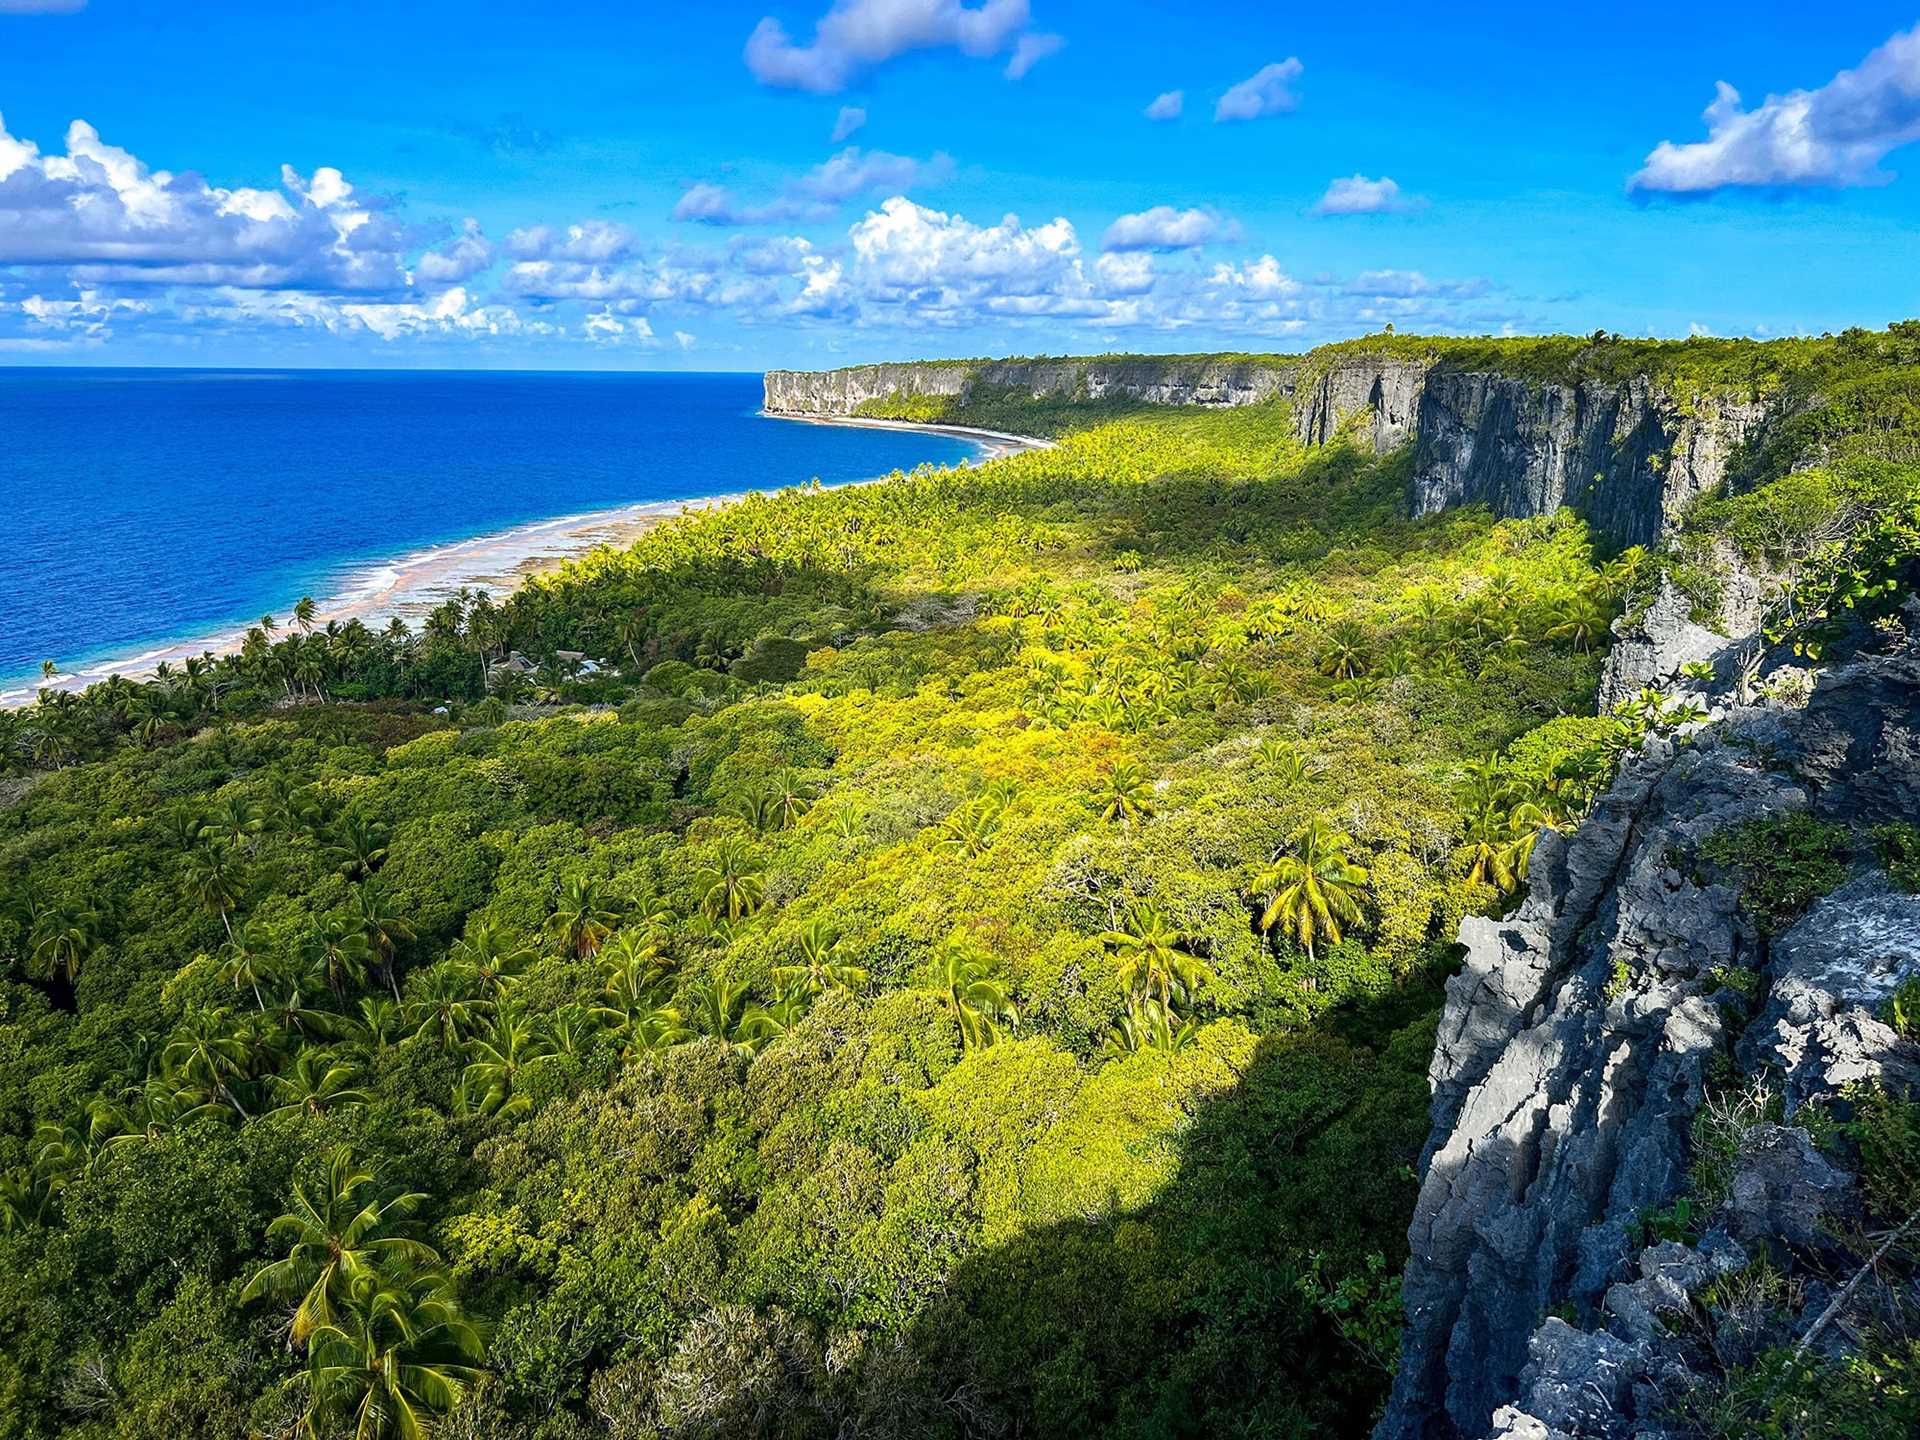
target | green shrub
[
  {"x": 1783, "y": 862},
  {"x": 1898, "y": 846}
]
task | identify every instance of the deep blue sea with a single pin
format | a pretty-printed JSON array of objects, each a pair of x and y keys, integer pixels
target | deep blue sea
[{"x": 153, "y": 506}]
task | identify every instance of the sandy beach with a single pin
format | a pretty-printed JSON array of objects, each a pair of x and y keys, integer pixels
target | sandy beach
[{"x": 411, "y": 586}]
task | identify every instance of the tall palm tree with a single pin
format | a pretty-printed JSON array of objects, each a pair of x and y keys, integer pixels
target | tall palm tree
[
  {"x": 334, "y": 1237},
  {"x": 337, "y": 948},
  {"x": 1125, "y": 794},
  {"x": 497, "y": 1061},
  {"x": 1154, "y": 959},
  {"x": 976, "y": 999},
  {"x": 61, "y": 937},
  {"x": 820, "y": 967},
  {"x": 303, "y": 612},
  {"x": 491, "y": 956},
  {"x": 243, "y": 962},
  {"x": 384, "y": 926},
  {"x": 359, "y": 846},
  {"x": 730, "y": 884},
  {"x": 445, "y": 1000},
  {"x": 234, "y": 822},
  {"x": 396, "y": 1353},
  {"x": 1313, "y": 888},
  {"x": 217, "y": 878},
  {"x": 584, "y": 915},
  {"x": 718, "y": 1007},
  {"x": 206, "y": 1052},
  {"x": 316, "y": 1082}
]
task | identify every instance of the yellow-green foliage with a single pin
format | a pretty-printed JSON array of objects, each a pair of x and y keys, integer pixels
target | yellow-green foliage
[{"x": 1132, "y": 667}]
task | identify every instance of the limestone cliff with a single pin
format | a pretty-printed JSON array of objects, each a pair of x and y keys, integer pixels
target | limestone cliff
[
  {"x": 1581, "y": 1042},
  {"x": 1630, "y": 455}
]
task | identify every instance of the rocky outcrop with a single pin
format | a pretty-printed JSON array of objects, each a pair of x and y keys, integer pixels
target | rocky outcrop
[
  {"x": 1630, "y": 455},
  {"x": 1586, "y": 1031}
]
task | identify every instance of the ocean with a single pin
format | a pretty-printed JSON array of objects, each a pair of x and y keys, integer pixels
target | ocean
[{"x": 154, "y": 510}]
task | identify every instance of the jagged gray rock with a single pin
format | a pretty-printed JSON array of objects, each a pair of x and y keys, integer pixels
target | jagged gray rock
[
  {"x": 1651, "y": 647},
  {"x": 1573, "y": 1054},
  {"x": 1784, "y": 1190}
]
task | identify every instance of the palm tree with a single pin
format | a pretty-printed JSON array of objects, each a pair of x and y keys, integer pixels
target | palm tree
[
  {"x": 584, "y": 915},
  {"x": 379, "y": 1024},
  {"x": 316, "y": 1082},
  {"x": 491, "y": 956},
  {"x": 974, "y": 996},
  {"x": 243, "y": 962},
  {"x": 236, "y": 822},
  {"x": 338, "y": 949},
  {"x": 972, "y": 827},
  {"x": 1315, "y": 889},
  {"x": 205, "y": 1052},
  {"x": 359, "y": 846},
  {"x": 498, "y": 1058},
  {"x": 444, "y": 999},
  {"x": 61, "y": 937},
  {"x": 1153, "y": 957},
  {"x": 303, "y": 613},
  {"x": 1125, "y": 795},
  {"x": 217, "y": 878},
  {"x": 384, "y": 928},
  {"x": 396, "y": 1352},
  {"x": 789, "y": 798},
  {"x": 718, "y": 1007},
  {"x": 730, "y": 885},
  {"x": 1343, "y": 654},
  {"x": 821, "y": 967},
  {"x": 334, "y": 1238}
]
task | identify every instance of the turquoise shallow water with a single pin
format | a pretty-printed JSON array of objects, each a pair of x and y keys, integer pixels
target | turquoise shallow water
[{"x": 152, "y": 506}]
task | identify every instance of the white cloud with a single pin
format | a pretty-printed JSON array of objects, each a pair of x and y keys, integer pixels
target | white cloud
[
  {"x": 1265, "y": 92},
  {"x": 460, "y": 259},
  {"x": 816, "y": 195},
  {"x": 41, "y": 7},
  {"x": 685, "y": 340},
  {"x": 851, "y": 118},
  {"x": 88, "y": 316},
  {"x": 1263, "y": 279},
  {"x": 1127, "y": 272},
  {"x": 102, "y": 210},
  {"x": 856, "y": 35},
  {"x": 1836, "y": 135},
  {"x": 1164, "y": 228},
  {"x": 1167, "y": 105},
  {"x": 591, "y": 241},
  {"x": 1357, "y": 195},
  {"x": 1029, "y": 51},
  {"x": 1411, "y": 285},
  {"x": 604, "y": 327}
]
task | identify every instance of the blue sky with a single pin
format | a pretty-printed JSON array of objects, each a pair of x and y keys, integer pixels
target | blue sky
[{"x": 805, "y": 182}]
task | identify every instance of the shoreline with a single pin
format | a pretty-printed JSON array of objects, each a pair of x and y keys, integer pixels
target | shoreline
[{"x": 412, "y": 584}]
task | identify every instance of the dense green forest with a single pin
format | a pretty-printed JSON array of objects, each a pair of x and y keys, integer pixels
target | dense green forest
[{"x": 967, "y": 965}]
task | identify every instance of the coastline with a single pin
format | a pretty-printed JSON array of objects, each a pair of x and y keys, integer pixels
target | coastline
[{"x": 411, "y": 585}]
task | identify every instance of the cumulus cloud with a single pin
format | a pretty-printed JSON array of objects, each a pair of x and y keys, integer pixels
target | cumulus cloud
[
  {"x": 591, "y": 241},
  {"x": 104, "y": 211},
  {"x": 1265, "y": 92},
  {"x": 851, "y": 118},
  {"x": 1029, "y": 51},
  {"x": 1263, "y": 279},
  {"x": 1834, "y": 136},
  {"x": 1127, "y": 272},
  {"x": 1357, "y": 195},
  {"x": 816, "y": 195},
  {"x": 1165, "y": 228},
  {"x": 1167, "y": 105},
  {"x": 460, "y": 259},
  {"x": 857, "y": 35}
]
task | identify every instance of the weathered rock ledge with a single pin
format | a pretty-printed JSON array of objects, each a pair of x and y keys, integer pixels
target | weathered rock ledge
[{"x": 1583, "y": 1036}]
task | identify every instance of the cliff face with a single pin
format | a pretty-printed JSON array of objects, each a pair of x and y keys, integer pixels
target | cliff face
[
  {"x": 1580, "y": 1043},
  {"x": 1630, "y": 456}
]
